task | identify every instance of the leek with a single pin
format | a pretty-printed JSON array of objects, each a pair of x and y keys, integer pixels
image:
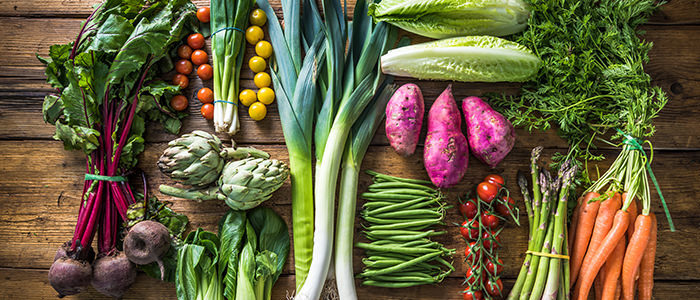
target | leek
[
  {"x": 296, "y": 89},
  {"x": 228, "y": 21}
]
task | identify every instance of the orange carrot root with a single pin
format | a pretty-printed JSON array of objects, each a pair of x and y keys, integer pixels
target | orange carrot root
[
  {"x": 584, "y": 228},
  {"x": 646, "y": 273},
  {"x": 612, "y": 270},
  {"x": 633, "y": 255}
]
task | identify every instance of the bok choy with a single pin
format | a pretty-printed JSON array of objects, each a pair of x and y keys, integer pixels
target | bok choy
[
  {"x": 470, "y": 58},
  {"x": 450, "y": 18}
]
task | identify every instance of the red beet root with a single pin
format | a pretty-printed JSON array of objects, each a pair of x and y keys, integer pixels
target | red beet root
[
  {"x": 113, "y": 274},
  {"x": 146, "y": 242},
  {"x": 69, "y": 276}
]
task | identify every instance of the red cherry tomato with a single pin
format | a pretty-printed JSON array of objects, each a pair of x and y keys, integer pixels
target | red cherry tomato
[
  {"x": 199, "y": 57},
  {"x": 495, "y": 179},
  {"x": 203, "y": 14},
  {"x": 503, "y": 205},
  {"x": 468, "y": 294},
  {"x": 183, "y": 66},
  {"x": 494, "y": 269},
  {"x": 181, "y": 80},
  {"x": 469, "y": 208},
  {"x": 195, "y": 41},
  {"x": 471, "y": 277},
  {"x": 207, "y": 111},
  {"x": 494, "y": 287},
  {"x": 205, "y": 72},
  {"x": 184, "y": 51},
  {"x": 205, "y": 95},
  {"x": 470, "y": 232},
  {"x": 489, "y": 220},
  {"x": 472, "y": 253},
  {"x": 179, "y": 103},
  {"x": 486, "y": 191},
  {"x": 491, "y": 239}
]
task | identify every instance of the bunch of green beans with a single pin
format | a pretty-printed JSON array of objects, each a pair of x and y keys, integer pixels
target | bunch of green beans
[{"x": 399, "y": 213}]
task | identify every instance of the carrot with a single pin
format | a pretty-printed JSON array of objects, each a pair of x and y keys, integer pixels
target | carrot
[
  {"x": 598, "y": 285},
  {"x": 574, "y": 222},
  {"x": 612, "y": 269},
  {"x": 633, "y": 254},
  {"x": 603, "y": 222},
  {"x": 589, "y": 271},
  {"x": 632, "y": 209},
  {"x": 618, "y": 289},
  {"x": 646, "y": 273},
  {"x": 586, "y": 220}
]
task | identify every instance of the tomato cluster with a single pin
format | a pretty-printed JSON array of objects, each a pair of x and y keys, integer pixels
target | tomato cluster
[{"x": 484, "y": 216}]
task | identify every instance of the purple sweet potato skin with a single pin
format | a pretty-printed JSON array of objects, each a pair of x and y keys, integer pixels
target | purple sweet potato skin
[
  {"x": 491, "y": 136},
  {"x": 404, "y": 118},
  {"x": 446, "y": 154}
]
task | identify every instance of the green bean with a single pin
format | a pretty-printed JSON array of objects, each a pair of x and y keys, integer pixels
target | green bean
[
  {"x": 396, "y": 206},
  {"x": 417, "y": 225},
  {"x": 403, "y": 238},
  {"x": 388, "y": 197},
  {"x": 402, "y": 185},
  {"x": 379, "y": 255},
  {"x": 402, "y": 192},
  {"x": 400, "y": 266},
  {"x": 397, "y": 249},
  {"x": 394, "y": 284},
  {"x": 390, "y": 233},
  {"x": 413, "y": 213},
  {"x": 392, "y": 262},
  {"x": 397, "y": 179},
  {"x": 378, "y": 204},
  {"x": 387, "y": 221}
]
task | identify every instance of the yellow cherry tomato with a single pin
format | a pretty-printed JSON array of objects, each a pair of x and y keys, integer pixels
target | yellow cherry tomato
[
  {"x": 262, "y": 80},
  {"x": 257, "y": 111},
  {"x": 254, "y": 34},
  {"x": 257, "y": 64},
  {"x": 263, "y": 49},
  {"x": 247, "y": 97},
  {"x": 258, "y": 17},
  {"x": 266, "y": 95}
]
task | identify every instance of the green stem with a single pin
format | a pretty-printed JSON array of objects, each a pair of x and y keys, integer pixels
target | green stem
[
  {"x": 346, "y": 227},
  {"x": 301, "y": 174},
  {"x": 192, "y": 194}
]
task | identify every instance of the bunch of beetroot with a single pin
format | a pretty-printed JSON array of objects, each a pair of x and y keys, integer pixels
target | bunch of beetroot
[
  {"x": 484, "y": 216},
  {"x": 490, "y": 136}
]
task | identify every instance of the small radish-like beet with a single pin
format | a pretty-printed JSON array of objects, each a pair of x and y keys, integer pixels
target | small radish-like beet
[
  {"x": 113, "y": 274},
  {"x": 69, "y": 276},
  {"x": 64, "y": 251},
  {"x": 146, "y": 242},
  {"x": 404, "y": 118}
]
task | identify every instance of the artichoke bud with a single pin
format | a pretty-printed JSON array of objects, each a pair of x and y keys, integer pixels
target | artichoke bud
[{"x": 249, "y": 182}]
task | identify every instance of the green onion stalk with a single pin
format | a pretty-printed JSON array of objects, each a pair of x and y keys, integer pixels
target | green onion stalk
[
  {"x": 295, "y": 82},
  {"x": 228, "y": 22},
  {"x": 353, "y": 80}
]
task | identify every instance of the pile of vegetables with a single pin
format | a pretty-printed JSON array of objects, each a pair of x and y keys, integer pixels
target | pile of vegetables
[
  {"x": 245, "y": 177},
  {"x": 106, "y": 88},
  {"x": 243, "y": 262},
  {"x": 400, "y": 214},
  {"x": 481, "y": 230},
  {"x": 452, "y": 18},
  {"x": 545, "y": 272}
]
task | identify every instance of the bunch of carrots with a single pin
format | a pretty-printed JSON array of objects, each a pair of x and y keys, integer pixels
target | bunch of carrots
[{"x": 613, "y": 244}]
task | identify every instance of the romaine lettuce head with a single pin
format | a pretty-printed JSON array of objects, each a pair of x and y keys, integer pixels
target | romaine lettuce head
[
  {"x": 468, "y": 59},
  {"x": 450, "y": 18}
]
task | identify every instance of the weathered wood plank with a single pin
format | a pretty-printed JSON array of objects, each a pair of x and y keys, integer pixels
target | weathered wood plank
[
  {"x": 674, "y": 12},
  {"x": 42, "y": 184},
  {"x": 16, "y": 281}
]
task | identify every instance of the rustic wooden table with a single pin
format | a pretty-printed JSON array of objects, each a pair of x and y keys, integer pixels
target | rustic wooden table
[{"x": 40, "y": 183}]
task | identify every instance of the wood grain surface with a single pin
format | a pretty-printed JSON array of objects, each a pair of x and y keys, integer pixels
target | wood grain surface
[{"x": 40, "y": 183}]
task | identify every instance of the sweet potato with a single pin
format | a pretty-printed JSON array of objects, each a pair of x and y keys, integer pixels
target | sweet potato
[
  {"x": 404, "y": 118},
  {"x": 446, "y": 152},
  {"x": 491, "y": 136}
]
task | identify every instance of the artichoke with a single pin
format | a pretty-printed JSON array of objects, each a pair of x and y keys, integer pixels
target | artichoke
[
  {"x": 197, "y": 158},
  {"x": 244, "y": 184}
]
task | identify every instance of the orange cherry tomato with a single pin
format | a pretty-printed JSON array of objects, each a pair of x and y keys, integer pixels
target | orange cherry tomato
[
  {"x": 181, "y": 80},
  {"x": 207, "y": 111},
  {"x": 205, "y": 72},
  {"x": 179, "y": 103},
  {"x": 195, "y": 41},
  {"x": 203, "y": 14},
  {"x": 205, "y": 95},
  {"x": 184, "y": 66},
  {"x": 184, "y": 51},
  {"x": 199, "y": 57}
]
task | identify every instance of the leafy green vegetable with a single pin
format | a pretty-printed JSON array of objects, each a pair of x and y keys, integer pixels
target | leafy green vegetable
[
  {"x": 592, "y": 78},
  {"x": 272, "y": 236},
  {"x": 471, "y": 58},
  {"x": 231, "y": 231},
  {"x": 197, "y": 276},
  {"x": 450, "y": 18}
]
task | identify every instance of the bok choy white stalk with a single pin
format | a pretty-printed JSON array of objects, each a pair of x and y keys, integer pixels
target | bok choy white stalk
[
  {"x": 353, "y": 80},
  {"x": 295, "y": 83}
]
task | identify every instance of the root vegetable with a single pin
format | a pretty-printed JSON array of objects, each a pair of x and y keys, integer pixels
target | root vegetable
[
  {"x": 146, "y": 242},
  {"x": 82, "y": 254},
  {"x": 69, "y": 276},
  {"x": 113, "y": 274},
  {"x": 404, "y": 118},
  {"x": 491, "y": 136},
  {"x": 446, "y": 153}
]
